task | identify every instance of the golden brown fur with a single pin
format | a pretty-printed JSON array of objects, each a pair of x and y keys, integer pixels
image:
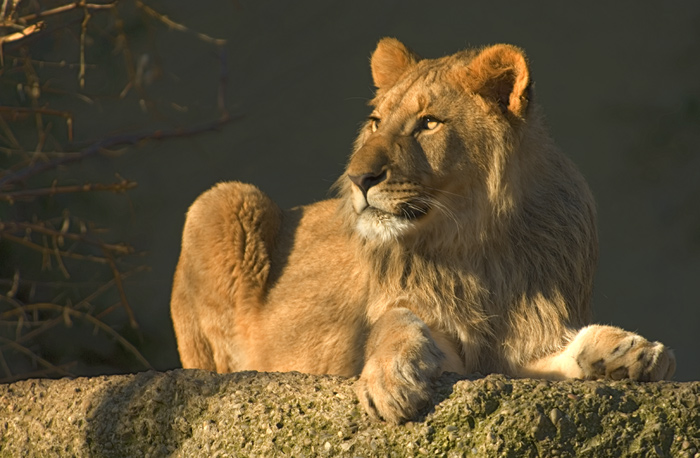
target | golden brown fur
[{"x": 461, "y": 240}]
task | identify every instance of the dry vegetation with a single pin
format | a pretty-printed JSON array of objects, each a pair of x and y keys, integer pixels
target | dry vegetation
[{"x": 63, "y": 303}]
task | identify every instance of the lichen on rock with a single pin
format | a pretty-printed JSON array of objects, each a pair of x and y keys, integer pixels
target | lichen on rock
[{"x": 198, "y": 413}]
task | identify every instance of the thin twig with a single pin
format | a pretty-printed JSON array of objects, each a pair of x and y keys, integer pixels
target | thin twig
[
  {"x": 10, "y": 136},
  {"x": 4, "y": 9},
  {"x": 59, "y": 258},
  {"x": 43, "y": 110},
  {"x": 112, "y": 142},
  {"x": 33, "y": 356},
  {"x": 12, "y": 196},
  {"x": 83, "y": 34},
  {"x": 15, "y": 283},
  {"x": 120, "y": 289},
  {"x": 43, "y": 327},
  {"x": 22, "y": 33},
  {"x": 12, "y": 301},
  {"x": 41, "y": 141},
  {"x": 87, "y": 317},
  {"x": 104, "y": 287},
  {"x": 51, "y": 284},
  {"x": 68, "y": 7},
  {"x": 14, "y": 226},
  {"x": 48, "y": 251},
  {"x": 47, "y": 154},
  {"x": 48, "y": 63},
  {"x": 177, "y": 26}
]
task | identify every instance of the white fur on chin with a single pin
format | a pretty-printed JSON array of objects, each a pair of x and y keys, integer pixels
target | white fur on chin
[{"x": 381, "y": 227}]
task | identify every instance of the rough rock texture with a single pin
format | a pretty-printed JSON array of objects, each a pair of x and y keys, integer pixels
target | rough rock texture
[{"x": 197, "y": 413}]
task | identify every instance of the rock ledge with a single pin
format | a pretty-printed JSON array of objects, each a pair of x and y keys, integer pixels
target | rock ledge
[{"x": 185, "y": 413}]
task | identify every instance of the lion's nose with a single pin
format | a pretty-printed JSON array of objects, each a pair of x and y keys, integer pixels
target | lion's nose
[{"x": 367, "y": 180}]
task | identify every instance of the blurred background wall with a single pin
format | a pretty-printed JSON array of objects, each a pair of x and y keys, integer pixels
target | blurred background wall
[{"x": 619, "y": 82}]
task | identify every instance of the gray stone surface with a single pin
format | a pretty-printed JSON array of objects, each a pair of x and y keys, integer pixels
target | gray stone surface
[{"x": 187, "y": 413}]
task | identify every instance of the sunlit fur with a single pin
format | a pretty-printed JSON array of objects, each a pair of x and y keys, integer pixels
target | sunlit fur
[{"x": 471, "y": 248}]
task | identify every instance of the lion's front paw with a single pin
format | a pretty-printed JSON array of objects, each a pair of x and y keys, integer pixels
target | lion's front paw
[
  {"x": 395, "y": 384},
  {"x": 395, "y": 391},
  {"x": 609, "y": 352}
]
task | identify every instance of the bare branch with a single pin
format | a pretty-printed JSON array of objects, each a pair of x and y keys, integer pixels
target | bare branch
[
  {"x": 13, "y": 196},
  {"x": 120, "y": 288},
  {"x": 30, "y": 310},
  {"x": 47, "y": 111},
  {"x": 33, "y": 356},
  {"x": 80, "y": 315},
  {"x": 112, "y": 142},
  {"x": 42, "y": 327},
  {"x": 83, "y": 34},
  {"x": 22, "y": 33},
  {"x": 67, "y": 7},
  {"x": 48, "y": 251},
  {"x": 177, "y": 26},
  {"x": 14, "y": 226}
]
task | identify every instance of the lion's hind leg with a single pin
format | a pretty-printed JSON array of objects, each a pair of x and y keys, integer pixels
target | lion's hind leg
[
  {"x": 222, "y": 273},
  {"x": 606, "y": 352}
]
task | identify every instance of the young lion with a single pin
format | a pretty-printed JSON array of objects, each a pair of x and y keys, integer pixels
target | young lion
[{"x": 462, "y": 240}]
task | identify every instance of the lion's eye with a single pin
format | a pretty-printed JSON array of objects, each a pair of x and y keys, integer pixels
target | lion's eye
[
  {"x": 374, "y": 124},
  {"x": 428, "y": 123}
]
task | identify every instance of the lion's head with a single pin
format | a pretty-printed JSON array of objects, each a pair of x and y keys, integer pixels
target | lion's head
[{"x": 433, "y": 152}]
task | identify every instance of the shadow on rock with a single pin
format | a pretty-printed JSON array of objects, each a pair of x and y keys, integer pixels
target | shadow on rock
[
  {"x": 148, "y": 414},
  {"x": 200, "y": 413}
]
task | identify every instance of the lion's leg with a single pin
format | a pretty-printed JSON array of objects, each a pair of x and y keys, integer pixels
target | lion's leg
[
  {"x": 598, "y": 352},
  {"x": 192, "y": 345},
  {"x": 222, "y": 273},
  {"x": 401, "y": 359}
]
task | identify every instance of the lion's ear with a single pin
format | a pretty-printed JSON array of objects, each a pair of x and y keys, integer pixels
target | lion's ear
[
  {"x": 389, "y": 61},
  {"x": 500, "y": 73}
]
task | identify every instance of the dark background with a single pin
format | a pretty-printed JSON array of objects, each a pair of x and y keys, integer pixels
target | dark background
[{"x": 619, "y": 82}]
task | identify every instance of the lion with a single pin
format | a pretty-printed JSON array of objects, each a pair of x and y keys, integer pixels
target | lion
[{"x": 461, "y": 240}]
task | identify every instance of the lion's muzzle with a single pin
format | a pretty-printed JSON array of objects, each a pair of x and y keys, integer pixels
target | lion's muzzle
[{"x": 367, "y": 180}]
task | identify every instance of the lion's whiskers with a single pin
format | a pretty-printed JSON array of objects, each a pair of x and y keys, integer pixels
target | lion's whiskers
[
  {"x": 432, "y": 203},
  {"x": 442, "y": 191}
]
